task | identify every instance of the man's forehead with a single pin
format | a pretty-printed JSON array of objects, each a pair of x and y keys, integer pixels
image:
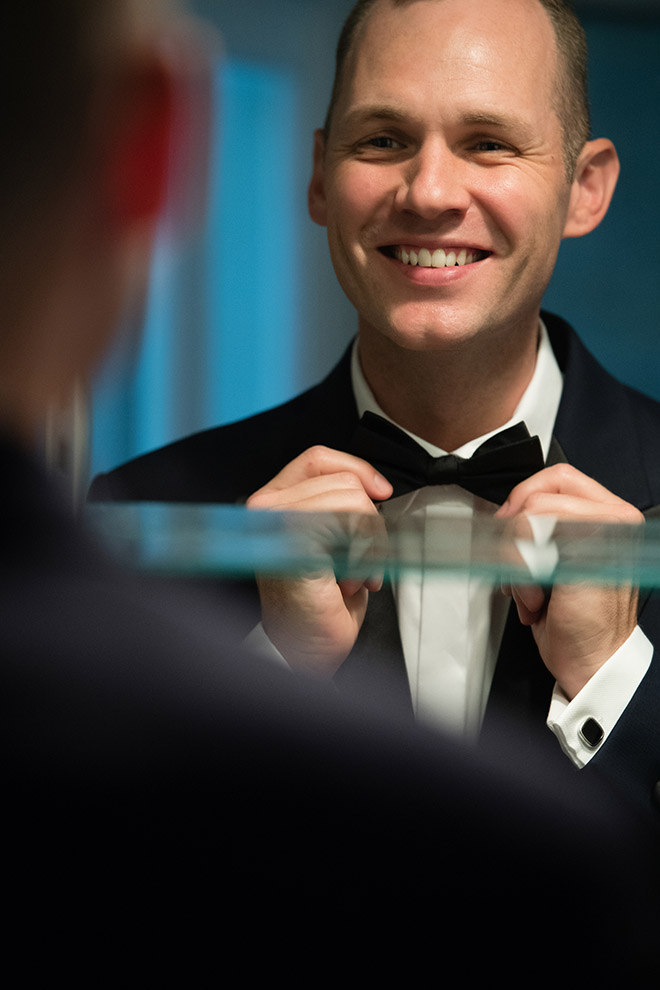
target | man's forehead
[
  {"x": 453, "y": 39},
  {"x": 479, "y": 17}
]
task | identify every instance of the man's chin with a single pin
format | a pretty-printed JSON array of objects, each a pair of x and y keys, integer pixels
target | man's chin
[{"x": 437, "y": 335}]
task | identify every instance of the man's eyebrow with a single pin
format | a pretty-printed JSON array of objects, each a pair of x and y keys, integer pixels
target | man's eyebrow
[
  {"x": 493, "y": 119},
  {"x": 395, "y": 114},
  {"x": 376, "y": 111}
]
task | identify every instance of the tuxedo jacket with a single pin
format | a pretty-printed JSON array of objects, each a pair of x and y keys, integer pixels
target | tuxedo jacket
[
  {"x": 165, "y": 798},
  {"x": 604, "y": 428}
]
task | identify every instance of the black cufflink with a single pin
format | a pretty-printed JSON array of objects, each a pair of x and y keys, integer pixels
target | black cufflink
[{"x": 591, "y": 733}]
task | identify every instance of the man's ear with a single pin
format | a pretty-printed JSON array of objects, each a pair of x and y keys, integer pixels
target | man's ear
[
  {"x": 595, "y": 179},
  {"x": 316, "y": 200},
  {"x": 139, "y": 144}
]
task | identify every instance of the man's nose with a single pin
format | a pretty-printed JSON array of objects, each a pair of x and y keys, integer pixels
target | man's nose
[{"x": 433, "y": 182}]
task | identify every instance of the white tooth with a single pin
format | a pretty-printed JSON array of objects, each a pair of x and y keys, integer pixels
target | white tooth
[
  {"x": 462, "y": 255},
  {"x": 470, "y": 258},
  {"x": 413, "y": 258},
  {"x": 424, "y": 258},
  {"x": 403, "y": 256},
  {"x": 451, "y": 259},
  {"x": 439, "y": 258}
]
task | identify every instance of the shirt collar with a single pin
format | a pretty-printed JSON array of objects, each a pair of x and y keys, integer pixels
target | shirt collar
[{"x": 537, "y": 407}]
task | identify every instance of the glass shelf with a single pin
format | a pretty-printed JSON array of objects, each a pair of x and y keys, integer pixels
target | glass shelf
[{"x": 232, "y": 541}]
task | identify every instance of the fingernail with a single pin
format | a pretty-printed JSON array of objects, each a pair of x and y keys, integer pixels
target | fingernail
[{"x": 381, "y": 482}]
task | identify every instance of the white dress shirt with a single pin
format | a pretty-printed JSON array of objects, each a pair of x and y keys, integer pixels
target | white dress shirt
[{"x": 451, "y": 626}]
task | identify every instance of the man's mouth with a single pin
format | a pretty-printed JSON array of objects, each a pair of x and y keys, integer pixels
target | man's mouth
[{"x": 437, "y": 258}]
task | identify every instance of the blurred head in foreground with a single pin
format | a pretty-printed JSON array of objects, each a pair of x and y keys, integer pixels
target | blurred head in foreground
[{"x": 92, "y": 92}]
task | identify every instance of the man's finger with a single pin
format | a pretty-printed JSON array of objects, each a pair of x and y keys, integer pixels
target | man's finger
[
  {"x": 328, "y": 493},
  {"x": 564, "y": 480},
  {"x": 530, "y": 601},
  {"x": 319, "y": 461}
]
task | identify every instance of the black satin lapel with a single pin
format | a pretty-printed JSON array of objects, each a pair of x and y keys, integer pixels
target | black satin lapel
[
  {"x": 375, "y": 669},
  {"x": 522, "y": 685},
  {"x": 555, "y": 454}
]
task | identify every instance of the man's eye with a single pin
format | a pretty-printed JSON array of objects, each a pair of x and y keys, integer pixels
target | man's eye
[
  {"x": 381, "y": 141},
  {"x": 487, "y": 145}
]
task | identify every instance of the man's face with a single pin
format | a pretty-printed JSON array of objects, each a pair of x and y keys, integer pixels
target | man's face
[{"x": 444, "y": 148}]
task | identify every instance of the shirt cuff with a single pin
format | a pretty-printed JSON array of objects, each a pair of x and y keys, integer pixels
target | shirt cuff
[{"x": 583, "y": 724}]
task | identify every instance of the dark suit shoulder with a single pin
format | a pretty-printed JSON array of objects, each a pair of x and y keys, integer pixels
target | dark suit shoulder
[
  {"x": 227, "y": 463},
  {"x": 606, "y": 429}
]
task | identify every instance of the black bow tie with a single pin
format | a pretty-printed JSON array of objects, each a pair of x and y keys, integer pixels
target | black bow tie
[{"x": 495, "y": 468}]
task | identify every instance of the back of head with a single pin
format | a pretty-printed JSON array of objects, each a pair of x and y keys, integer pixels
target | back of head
[
  {"x": 76, "y": 77},
  {"x": 53, "y": 61},
  {"x": 59, "y": 55}
]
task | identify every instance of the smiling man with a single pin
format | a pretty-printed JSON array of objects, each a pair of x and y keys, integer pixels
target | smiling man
[
  {"x": 454, "y": 159},
  {"x": 442, "y": 179}
]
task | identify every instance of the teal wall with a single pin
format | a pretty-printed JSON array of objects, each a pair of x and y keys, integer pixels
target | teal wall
[{"x": 608, "y": 284}]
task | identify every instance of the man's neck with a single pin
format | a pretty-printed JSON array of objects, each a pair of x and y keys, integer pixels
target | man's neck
[{"x": 451, "y": 395}]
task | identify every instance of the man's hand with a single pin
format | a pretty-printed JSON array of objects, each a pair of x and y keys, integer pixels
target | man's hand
[
  {"x": 579, "y": 626},
  {"x": 314, "y": 620}
]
